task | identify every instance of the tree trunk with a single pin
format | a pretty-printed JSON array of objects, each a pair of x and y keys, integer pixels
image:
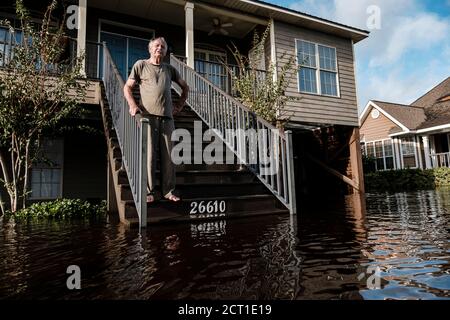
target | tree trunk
[
  {"x": 26, "y": 170},
  {"x": 6, "y": 179}
]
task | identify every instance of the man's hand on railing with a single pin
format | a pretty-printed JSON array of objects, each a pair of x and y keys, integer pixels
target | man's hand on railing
[
  {"x": 134, "y": 110},
  {"x": 177, "y": 107}
]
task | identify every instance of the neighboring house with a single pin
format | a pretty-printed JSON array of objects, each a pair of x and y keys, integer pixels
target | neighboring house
[
  {"x": 198, "y": 33},
  {"x": 409, "y": 136}
]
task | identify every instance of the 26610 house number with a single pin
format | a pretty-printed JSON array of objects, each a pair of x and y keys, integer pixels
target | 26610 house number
[{"x": 208, "y": 207}]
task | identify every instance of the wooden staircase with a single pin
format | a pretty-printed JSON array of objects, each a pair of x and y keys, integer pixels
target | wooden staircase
[{"x": 214, "y": 191}]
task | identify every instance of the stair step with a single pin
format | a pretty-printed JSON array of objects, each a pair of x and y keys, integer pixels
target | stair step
[
  {"x": 171, "y": 218},
  {"x": 195, "y": 190},
  {"x": 207, "y": 167},
  {"x": 202, "y": 176},
  {"x": 195, "y": 167},
  {"x": 236, "y": 204}
]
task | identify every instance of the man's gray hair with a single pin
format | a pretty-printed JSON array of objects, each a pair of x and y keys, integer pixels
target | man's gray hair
[{"x": 160, "y": 39}]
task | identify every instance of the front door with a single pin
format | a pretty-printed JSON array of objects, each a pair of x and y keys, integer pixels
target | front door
[
  {"x": 117, "y": 46},
  {"x": 126, "y": 45}
]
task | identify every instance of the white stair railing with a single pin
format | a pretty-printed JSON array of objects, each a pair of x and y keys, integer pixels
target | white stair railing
[
  {"x": 132, "y": 134},
  {"x": 259, "y": 145}
]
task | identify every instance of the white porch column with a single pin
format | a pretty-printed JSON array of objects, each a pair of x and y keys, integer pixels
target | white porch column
[
  {"x": 426, "y": 151},
  {"x": 189, "y": 13},
  {"x": 398, "y": 154},
  {"x": 418, "y": 151},
  {"x": 81, "y": 33}
]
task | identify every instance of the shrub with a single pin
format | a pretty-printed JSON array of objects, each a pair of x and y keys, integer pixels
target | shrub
[
  {"x": 400, "y": 180},
  {"x": 60, "y": 209},
  {"x": 407, "y": 180},
  {"x": 441, "y": 176},
  {"x": 369, "y": 164}
]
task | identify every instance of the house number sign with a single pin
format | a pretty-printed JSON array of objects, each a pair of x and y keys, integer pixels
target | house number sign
[{"x": 202, "y": 207}]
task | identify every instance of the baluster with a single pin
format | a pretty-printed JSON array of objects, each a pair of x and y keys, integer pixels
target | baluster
[
  {"x": 277, "y": 163},
  {"x": 283, "y": 164}
]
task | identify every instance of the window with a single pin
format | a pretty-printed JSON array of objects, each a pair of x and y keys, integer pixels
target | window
[
  {"x": 388, "y": 154},
  {"x": 8, "y": 41},
  {"x": 379, "y": 155},
  {"x": 383, "y": 152},
  {"x": 408, "y": 152},
  {"x": 375, "y": 114},
  {"x": 210, "y": 65},
  {"x": 46, "y": 172},
  {"x": 318, "y": 69}
]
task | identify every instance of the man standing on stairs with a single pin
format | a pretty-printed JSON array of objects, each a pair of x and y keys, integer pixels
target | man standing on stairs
[{"x": 154, "y": 79}]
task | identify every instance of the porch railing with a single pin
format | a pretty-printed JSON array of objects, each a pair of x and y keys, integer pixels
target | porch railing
[
  {"x": 219, "y": 74},
  {"x": 222, "y": 75},
  {"x": 9, "y": 40},
  {"x": 132, "y": 135},
  {"x": 93, "y": 51},
  {"x": 265, "y": 150},
  {"x": 439, "y": 160}
]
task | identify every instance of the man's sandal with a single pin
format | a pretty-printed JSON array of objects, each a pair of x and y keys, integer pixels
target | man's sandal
[
  {"x": 173, "y": 198},
  {"x": 150, "y": 198}
]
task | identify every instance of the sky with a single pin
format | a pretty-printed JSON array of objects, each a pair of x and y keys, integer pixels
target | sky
[{"x": 407, "y": 52}]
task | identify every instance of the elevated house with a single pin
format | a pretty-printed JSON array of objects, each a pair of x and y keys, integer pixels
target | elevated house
[
  {"x": 320, "y": 137},
  {"x": 409, "y": 136}
]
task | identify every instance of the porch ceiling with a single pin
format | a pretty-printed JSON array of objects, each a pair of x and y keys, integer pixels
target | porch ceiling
[{"x": 172, "y": 12}]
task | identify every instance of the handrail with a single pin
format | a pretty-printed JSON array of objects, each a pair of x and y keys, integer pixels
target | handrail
[
  {"x": 259, "y": 145},
  {"x": 232, "y": 66},
  {"x": 209, "y": 69},
  {"x": 132, "y": 135}
]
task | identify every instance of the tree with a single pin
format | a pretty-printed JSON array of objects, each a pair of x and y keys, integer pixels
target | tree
[
  {"x": 258, "y": 90},
  {"x": 38, "y": 90}
]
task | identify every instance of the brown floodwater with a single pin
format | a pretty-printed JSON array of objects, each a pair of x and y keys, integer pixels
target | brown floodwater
[{"x": 398, "y": 249}]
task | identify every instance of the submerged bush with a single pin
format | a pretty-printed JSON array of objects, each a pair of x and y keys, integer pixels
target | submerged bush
[
  {"x": 60, "y": 209},
  {"x": 399, "y": 180},
  {"x": 407, "y": 180}
]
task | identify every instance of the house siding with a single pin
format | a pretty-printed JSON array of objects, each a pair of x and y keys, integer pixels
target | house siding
[
  {"x": 376, "y": 129},
  {"x": 312, "y": 108}
]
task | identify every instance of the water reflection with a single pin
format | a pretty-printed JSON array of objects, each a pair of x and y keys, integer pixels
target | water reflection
[
  {"x": 409, "y": 242},
  {"x": 323, "y": 253}
]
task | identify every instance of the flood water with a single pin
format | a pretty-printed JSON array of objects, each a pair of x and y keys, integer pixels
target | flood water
[{"x": 398, "y": 249}]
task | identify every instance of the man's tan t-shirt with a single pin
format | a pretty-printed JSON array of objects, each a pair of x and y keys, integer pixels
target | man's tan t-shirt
[{"x": 155, "y": 84}]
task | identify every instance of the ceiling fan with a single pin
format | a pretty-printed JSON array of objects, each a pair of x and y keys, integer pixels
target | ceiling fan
[{"x": 219, "y": 27}]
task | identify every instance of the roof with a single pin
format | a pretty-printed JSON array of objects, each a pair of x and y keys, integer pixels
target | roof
[
  {"x": 279, "y": 13},
  {"x": 432, "y": 97},
  {"x": 410, "y": 116},
  {"x": 429, "y": 111},
  {"x": 436, "y": 105},
  {"x": 307, "y": 15}
]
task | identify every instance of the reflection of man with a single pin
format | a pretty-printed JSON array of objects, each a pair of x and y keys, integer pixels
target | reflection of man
[{"x": 154, "y": 79}]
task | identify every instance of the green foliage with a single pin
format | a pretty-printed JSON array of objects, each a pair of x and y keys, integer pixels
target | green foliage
[
  {"x": 441, "y": 177},
  {"x": 61, "y": 209},
  {"x": 369, "y": 164},
  {"x": 38, "y": 90},
  {"x": 407, "y": 180},
  {"x": 258, "y": 91}
]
